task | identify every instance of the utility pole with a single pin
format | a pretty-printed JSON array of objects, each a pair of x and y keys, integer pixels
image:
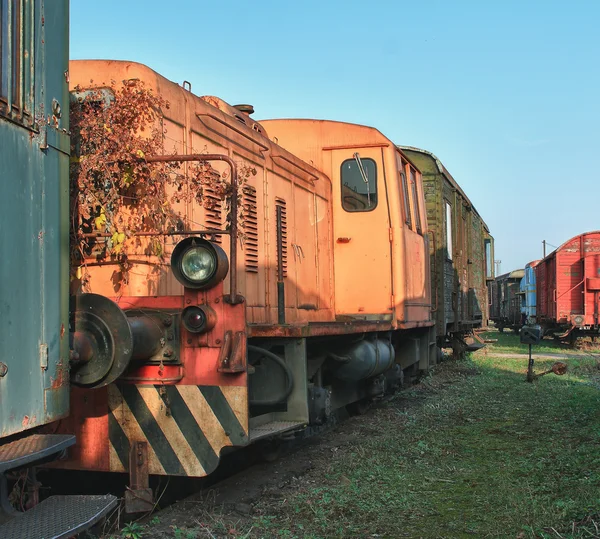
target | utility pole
[
  {"x": 497, "y": 262},
  {"x": 544, "y": 242}
]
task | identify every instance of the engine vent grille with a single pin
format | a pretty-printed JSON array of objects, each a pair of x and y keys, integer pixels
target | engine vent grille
[
  {"x": 280, "y": 203},
  {"x": 250, "y": 228},
  {"x": 213, "y": 206}
]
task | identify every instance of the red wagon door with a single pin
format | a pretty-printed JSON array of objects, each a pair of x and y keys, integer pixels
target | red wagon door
[{"x": 592, "y": 288}]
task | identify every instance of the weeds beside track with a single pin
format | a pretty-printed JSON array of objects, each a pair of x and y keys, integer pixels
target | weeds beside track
[{"x": 474, "y": 451}]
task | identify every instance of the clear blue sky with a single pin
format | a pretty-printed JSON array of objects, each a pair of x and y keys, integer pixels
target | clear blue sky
[{"x": 505, "y": 93}]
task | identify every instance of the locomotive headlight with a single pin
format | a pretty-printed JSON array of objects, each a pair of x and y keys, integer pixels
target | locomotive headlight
[{"x": 198, "y": 263}]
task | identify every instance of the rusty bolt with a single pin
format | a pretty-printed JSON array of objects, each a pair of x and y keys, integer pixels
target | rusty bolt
[
  {"x": 167, "y": 321},
  {"x": 3, "y": 369},
  {"x": 217, "y": 300},
  {"x": 168, "y": 352},
  {"x": 218, "y": 341},
  {"x": 188, "y": 301},
  {"x": 189, "y": 341},
  {"x": 170, "y": 335}
]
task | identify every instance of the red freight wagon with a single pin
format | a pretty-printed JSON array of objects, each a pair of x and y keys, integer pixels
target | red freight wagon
[{"x": 568, "y": 288}]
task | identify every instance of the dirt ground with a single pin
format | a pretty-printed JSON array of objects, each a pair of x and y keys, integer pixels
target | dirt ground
[{"x": 229, "y": 509}]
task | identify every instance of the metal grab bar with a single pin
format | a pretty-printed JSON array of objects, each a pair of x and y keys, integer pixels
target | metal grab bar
[
  {"x": 233, "y": 127},
  {"x": 287, "y": 160}
]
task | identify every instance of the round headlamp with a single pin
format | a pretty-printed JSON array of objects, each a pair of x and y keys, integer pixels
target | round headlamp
[{"x": 198, "y": 263}]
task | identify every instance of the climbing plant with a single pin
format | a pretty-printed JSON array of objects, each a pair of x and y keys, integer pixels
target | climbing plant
[{"x": 117, "y": 196}]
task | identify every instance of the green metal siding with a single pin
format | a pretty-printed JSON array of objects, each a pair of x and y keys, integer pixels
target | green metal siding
[
  {"x": 458, "y": 285},
  {"x": 34, "y": 210}
]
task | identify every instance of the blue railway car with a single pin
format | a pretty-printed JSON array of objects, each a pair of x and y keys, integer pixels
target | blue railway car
[
  {"x": 528, "y": 294},
  {"x": 34, "y": 270}
]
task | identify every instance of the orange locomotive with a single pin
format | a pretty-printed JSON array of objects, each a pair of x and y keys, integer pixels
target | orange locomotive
[{"x": 319, "y": 299}]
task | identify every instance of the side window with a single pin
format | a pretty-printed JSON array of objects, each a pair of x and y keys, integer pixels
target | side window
[
  {"x": 488, "y": 259},
  {"x": 16, "y": 55},
  {"x": 448, "y": 230},
  {"x": 415, "y": 197},
  {"x": 405, "y": 199},
  {"x": 359, "y": 184}
]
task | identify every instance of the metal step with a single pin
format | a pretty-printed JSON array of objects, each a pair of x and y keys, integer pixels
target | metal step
[
  {"x": 58, "y": 517},
  {"x": 273, "y": 428},
  {"x": 32, "y": 448}
]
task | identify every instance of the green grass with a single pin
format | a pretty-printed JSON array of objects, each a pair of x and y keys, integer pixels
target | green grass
[
  {"x": 508, "y": 342},
  {"x": 474, "y": 452}
]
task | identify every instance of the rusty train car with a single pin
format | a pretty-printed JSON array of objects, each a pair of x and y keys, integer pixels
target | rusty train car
[
  {"x": 34, "y": 272},
  {"x": 322, "y": 299},
  {"x": 568, "y": 288},
  {"x": 505, "y": 300},
  {"x": 461, "y": 254}
]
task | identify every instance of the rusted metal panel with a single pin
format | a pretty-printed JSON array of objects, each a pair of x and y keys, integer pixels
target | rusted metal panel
[
  {"x": 567, "y": 283},
  {"x": 506, "y": 301},
  {"x": 457, "y": 248},
  {"x": 34, "y": 208}
]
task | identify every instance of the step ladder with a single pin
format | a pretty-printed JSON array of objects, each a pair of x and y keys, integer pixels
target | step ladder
[{"x": 57, "y": 516}]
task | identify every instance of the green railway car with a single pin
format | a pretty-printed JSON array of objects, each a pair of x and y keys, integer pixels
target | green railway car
[
  {"x": 34, "y": 271},
  {"x": 462, "y": 253}
]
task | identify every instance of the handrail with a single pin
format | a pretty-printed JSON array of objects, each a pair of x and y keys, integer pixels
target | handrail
[
  {"x": 274, "y": 156},
  {"x": 233, "y": 127}
]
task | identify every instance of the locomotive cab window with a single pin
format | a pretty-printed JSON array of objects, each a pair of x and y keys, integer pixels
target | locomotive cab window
[
  {"x": 407, "y": 214},
  {"x": 415, "y": 198},
  {"x": 359, "y": 184}
]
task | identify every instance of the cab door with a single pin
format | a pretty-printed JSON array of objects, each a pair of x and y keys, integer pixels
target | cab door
[{"x": 362, "y": 247}]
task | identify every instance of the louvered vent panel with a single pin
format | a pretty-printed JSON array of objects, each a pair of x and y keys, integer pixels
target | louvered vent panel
[
  {"x": 213, "y": 206},
  {"x": 250, "y": 228},
  {"x": 281, "y": 203}
]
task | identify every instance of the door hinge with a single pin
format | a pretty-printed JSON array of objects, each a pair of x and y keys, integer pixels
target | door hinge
[{"x": 44, "y": 356}]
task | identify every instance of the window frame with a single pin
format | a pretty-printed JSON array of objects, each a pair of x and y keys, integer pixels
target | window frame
[
  {"x": 404, "y": 189},
  {"x": 489, "y": 267},
  {"x": 17, "y": 61},
  {"x": 415, "y": 196},
  {"x": 371, "y": 182},
  {"x": 448, "y": 226}
]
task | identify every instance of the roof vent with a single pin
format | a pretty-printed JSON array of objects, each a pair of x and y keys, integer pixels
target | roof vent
[{"x": 246, "y": 109}]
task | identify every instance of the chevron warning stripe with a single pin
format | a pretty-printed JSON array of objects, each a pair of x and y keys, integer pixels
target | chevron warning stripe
[{"x": 186, "y": 427}]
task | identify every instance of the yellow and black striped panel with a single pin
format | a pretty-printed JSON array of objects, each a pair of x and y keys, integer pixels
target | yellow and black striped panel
[{"x": 185, "y": 426}]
